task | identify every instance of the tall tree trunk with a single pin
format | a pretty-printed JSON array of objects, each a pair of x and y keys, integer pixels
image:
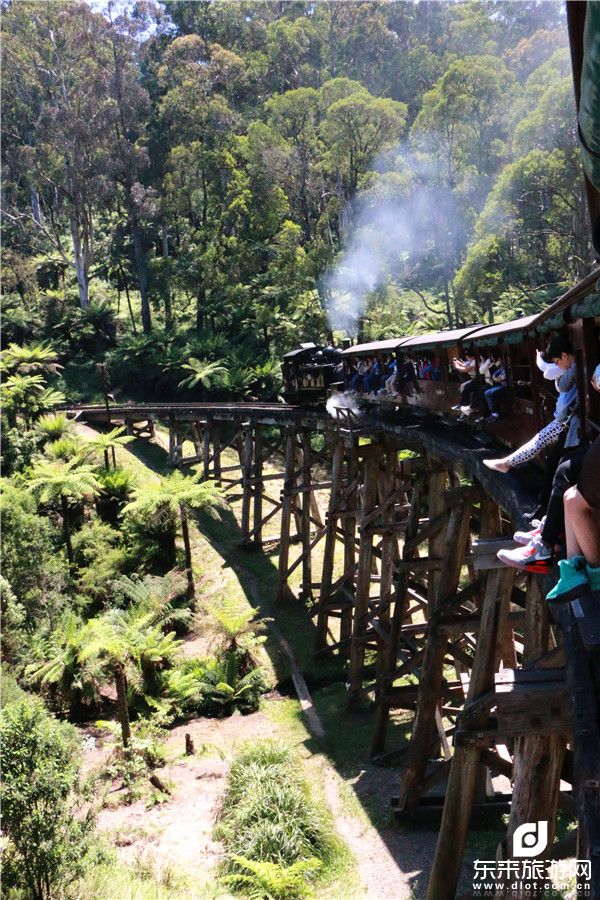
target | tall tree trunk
[
  {"x": 165, "y": 237},
  {"x": 191, "y": 592},
  {"x": 35, "y": 206},
  {"x": 200, "y": 307},
  {"x": 67, "y": 531},
  {"x": 165, "y": 255},
  {"x": 81, "y": 263},
  {"x": 122, "y": 708},
  {"x": 106, "y": 460},
  {"x": 129, "y": 305},
  {"x": 141, "y": 265}
]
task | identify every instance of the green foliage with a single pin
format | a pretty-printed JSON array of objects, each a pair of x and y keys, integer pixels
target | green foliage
[
  {"x": 53, "y": 480},
  {"x": 53, "y": 426},
  {"x": 107, "y": 442},
  {"x": 100, "y": 558},
  {"x": 214, "y": 687},
  {"x": 48, "y": 836},
  {"x": 268, "y": 816},
  {"x": 19, "y": 446},
  {"x": 269, "y": 881},
  {"x": 202, "y": 372},
  {"x": 30, "y": 564},
  {"x": 35, "y": 359},
  {"x": 247, "y": 141},
  {"x": 164, "y": 498},
  {"x": 115, "y": 491}
]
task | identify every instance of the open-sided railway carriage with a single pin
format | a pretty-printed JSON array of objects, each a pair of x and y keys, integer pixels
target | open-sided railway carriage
[{"x": 529, "y": 399}]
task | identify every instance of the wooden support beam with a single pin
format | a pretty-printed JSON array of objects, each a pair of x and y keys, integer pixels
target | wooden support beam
[
  {"x": 307, "y": 546},
  {"x": 399, "y": 608},
  {"x": 216, "y": 439},
  {"x": 433, "y": 660},
  {"x": 349, "y": 501},
  {"x": 330, "y": 542},
  {"x": 286, "y": 516},
  {"x": 247, "y": 490},
  {"x": 363, "y": 577},
  {"x": 464, "y": 769},
  {"x": 388, "y": 494},
  {"x": 583, "y": 680},
  {"x": 538, "y": 759},
  {"x": 206, "y": 450},
  {"x": 258, "y": 484}
]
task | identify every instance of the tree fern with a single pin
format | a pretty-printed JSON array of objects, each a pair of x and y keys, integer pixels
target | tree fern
[{"x": 271, "y": 881}]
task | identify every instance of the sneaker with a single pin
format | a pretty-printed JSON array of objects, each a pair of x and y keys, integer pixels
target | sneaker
[
  {"x": 524, "y": 537},
  {"x": 463, "y": 418},
  {"x": 492, "y": 417},
  {"x": 457, "y": 408},
  {"x": 573, "y": 579},
  {"x": 535, "y": 556}
]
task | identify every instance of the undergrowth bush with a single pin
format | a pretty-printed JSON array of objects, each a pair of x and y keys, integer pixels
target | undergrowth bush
[
  {"x": 214, "y": 686},
  {"x": 49, "y": 838},
  {"x": 268, "y": 817}
]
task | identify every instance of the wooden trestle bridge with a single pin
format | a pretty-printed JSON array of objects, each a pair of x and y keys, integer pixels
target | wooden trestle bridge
[{"x": 410, "y": 584}]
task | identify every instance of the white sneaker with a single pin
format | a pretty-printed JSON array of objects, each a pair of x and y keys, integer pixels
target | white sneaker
[
  {"x": 535, "y": 553},
  {"x": 524, "y": 537}
]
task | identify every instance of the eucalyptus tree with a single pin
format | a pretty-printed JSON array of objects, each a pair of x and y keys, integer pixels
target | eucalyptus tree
[{"x": 56, "y": 129}]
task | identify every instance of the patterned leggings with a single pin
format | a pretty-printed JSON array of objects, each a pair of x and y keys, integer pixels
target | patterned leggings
[{"x": 544, "y": 438}]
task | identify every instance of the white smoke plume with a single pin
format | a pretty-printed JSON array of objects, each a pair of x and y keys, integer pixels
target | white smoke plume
[
  {"x": 406, "y": 215},
  {"x": 345, "y": 400}
]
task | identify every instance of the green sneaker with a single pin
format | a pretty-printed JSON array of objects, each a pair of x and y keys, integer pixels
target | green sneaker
[
  {"x": 573, "y": 577},
  {"x": 593, "y": 574}
]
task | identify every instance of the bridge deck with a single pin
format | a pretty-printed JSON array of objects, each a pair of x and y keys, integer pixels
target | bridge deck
[{"x": 447, "y": 442}]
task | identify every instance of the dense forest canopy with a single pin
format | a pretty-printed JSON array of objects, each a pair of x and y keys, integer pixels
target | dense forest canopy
[{"x": 207, "y": 183}]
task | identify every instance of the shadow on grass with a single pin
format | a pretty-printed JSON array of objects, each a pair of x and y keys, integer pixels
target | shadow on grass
[{"x": 411, "y": 844}]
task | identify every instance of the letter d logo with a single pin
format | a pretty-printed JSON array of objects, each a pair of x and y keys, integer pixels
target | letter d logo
[{"x": 530, "y": 839}]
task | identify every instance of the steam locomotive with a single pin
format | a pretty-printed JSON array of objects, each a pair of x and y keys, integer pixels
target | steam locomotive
[{"x": 312, "y": 373}]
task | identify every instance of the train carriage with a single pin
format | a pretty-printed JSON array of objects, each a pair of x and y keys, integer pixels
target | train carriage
[{"x": 529, "y": 400}]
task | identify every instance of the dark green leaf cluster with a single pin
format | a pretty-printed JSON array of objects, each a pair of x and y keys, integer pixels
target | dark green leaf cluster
[{"x": 43, "y": 813}]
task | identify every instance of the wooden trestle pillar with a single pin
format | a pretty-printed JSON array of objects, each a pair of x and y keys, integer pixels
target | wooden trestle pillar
[
  {"x": 430, "y": 683},
  {"x": 336, "y": 599},
  {"x": 364, "y": 574},
  {"x": 298, "y": 502}
]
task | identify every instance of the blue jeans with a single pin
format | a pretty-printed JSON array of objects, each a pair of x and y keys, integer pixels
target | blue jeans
[{"x": 492, "y": 397}]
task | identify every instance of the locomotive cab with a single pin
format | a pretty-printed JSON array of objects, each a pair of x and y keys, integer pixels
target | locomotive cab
[{"x": 308, "y": 372}]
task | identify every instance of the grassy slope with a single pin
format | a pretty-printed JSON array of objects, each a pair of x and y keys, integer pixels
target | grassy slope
[{"x": 220, "y": 567}]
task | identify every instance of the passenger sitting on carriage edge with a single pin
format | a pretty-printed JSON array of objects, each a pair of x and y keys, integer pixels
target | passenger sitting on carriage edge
[
  {"x": 560, "y": 353},
  {"x": 389, "y": 385},
  {"x": 407, "y": 370},
  {"x": 362, "y": 367},
  {"x": 493, "y": 394},
  {"x": 468, "y": 367},
  {"x": 580, "y": 571},
  {"x": 486, "y": 367},
  {"x": 539, "y": 543},
  {"x": 372, "y": 380}
]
